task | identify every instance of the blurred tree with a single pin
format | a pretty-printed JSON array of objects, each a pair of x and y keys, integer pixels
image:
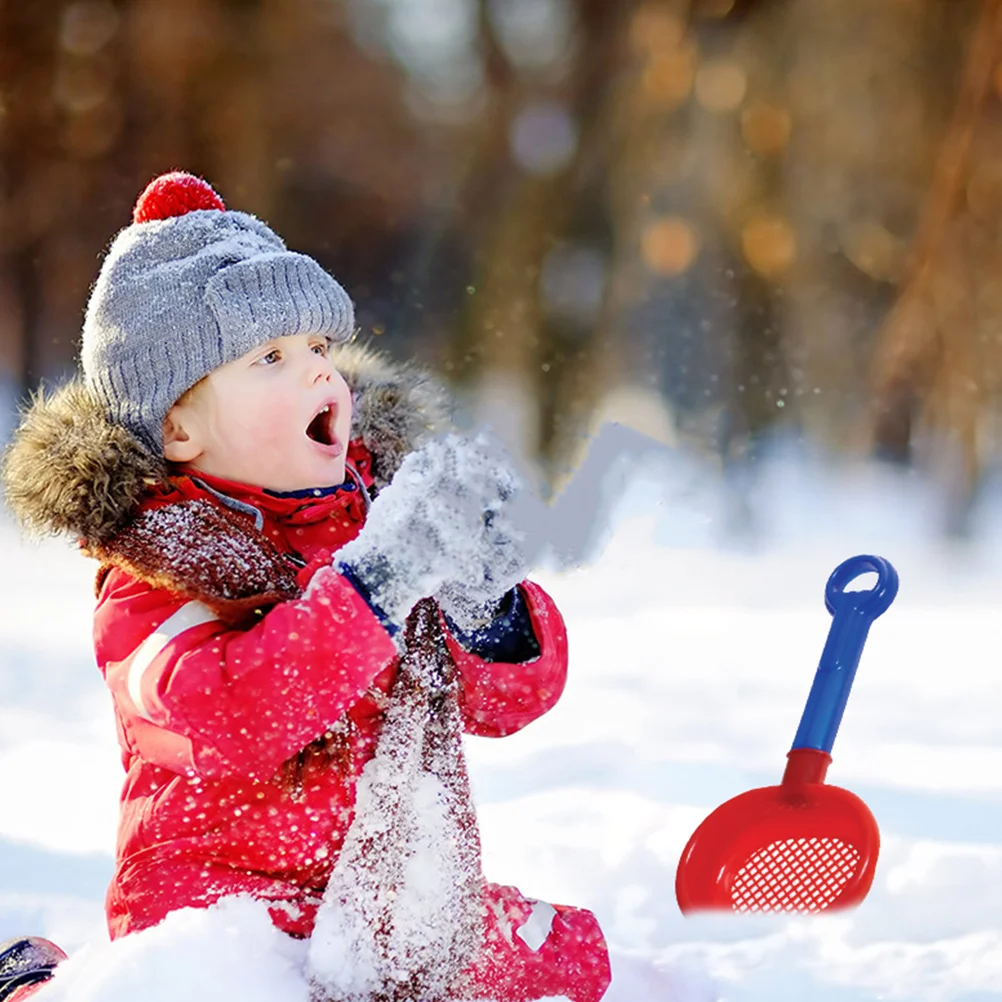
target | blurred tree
[
  {"x": 57, "y": 70},
  {"x": 539, "y": 276},
  {"x": 938, "y": 360},
  {"x": 870, "y": 87}
]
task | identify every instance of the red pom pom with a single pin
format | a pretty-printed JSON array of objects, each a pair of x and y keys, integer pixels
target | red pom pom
[{"x": 174, "y": 194}]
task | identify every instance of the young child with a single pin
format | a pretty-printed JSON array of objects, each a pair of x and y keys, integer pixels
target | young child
[{"x": 218, "y": 458}]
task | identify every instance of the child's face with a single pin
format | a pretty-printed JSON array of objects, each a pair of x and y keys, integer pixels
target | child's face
[{"x": 278, "y": 417}]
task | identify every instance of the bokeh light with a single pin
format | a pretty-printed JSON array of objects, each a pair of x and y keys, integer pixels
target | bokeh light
[
  {"x": 655, "y": 29},
  {"x": 669, "y": 246},
  {"x": 765, "y": 128},
  {"x": 873, "y": 249},
  {"x": 87, "y": 26},
  {"x": 668, "y": 77},
  {"x": 543, "y": 138},
  {"x": 721, "y": 86},
  {"x": 769, "y": 244}
]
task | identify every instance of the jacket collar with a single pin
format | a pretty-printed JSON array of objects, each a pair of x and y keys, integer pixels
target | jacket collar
[{"x": 260, "y": 504}]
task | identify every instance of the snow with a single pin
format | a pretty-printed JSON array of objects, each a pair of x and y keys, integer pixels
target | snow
[
  {"x": 696, "y": 617},
  {"x": 403, "y": 905},
  {"x": 229, "y": 951}
]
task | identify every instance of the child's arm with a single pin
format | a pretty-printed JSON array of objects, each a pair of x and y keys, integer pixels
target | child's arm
[
  {"x": 501, "y": 697},
  {"x": 195, "y": 697}
]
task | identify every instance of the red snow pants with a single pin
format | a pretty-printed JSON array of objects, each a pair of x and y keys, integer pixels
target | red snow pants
[{"x": 534, "y": 949}]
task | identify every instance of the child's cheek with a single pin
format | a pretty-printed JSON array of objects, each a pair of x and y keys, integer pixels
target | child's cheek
[
  {"x": 276, "y": 427},
  {"x": 261, "y": 427}
]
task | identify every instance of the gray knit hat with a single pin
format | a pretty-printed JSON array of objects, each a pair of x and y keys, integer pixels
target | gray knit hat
[{"x": 186, "y": 288}]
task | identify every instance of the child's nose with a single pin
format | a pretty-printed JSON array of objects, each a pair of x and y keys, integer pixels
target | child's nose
[{"x": 320, "y": 370}]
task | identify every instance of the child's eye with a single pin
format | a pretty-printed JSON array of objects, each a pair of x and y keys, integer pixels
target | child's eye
[
  {"x": 319, "y": 348},
  {"x": 271, "y": 358}
]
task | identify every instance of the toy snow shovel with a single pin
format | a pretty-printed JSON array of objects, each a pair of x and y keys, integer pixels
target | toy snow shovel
[{"x": 801, "y": 846}]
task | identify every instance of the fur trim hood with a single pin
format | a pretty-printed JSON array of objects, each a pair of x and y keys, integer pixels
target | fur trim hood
[{"x": 70, "y": 470}]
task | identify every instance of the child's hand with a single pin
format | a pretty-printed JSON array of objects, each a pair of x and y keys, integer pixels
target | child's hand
[
  {"x": 438, "y": 520},
  {"x": 510, "y": 538},
  {"x": 470, "y": 601}
]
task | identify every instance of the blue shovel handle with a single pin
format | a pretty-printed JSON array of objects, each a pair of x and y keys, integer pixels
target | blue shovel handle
[{"x": 852, "y": 612}]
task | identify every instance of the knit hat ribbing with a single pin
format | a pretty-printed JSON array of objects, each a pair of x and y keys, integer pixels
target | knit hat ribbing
[{"x": 187, "y": 288}]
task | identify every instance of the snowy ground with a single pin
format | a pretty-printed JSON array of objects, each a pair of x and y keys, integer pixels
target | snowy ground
[{"x": 692, "y": 651}]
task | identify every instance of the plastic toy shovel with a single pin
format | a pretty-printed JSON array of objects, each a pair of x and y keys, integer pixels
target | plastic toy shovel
[{"x": 800, "y": 846}]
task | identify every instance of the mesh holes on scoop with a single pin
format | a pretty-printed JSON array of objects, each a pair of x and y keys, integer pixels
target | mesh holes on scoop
[{"x": 794, "y": 874}]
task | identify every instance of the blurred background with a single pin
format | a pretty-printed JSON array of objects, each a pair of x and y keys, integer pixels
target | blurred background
[{"x": 723, "y": 223}]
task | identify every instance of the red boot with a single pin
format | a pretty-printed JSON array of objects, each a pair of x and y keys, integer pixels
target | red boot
[{"x": 25, "y": 965}]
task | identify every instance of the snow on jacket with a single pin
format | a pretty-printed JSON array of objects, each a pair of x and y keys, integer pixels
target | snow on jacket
[{"x": 248, "y": 677}]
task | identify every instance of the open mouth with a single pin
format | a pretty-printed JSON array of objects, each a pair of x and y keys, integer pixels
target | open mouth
[{"x": 321, "y": 428}]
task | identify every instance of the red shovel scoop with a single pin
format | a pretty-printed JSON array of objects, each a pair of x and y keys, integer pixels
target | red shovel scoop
[{"x": 801, "y": 846}]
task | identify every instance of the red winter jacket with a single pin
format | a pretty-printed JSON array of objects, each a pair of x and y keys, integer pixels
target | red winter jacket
[{"x": 231, "y": 786}]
